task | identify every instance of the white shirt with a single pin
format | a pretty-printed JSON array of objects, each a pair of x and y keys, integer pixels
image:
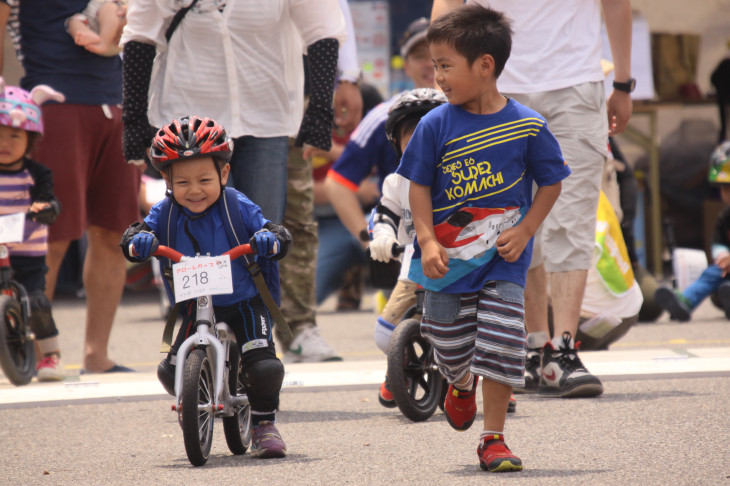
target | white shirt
[
  {"x": 395, "y": 198},
  {"x": 241, "y": 66},
  {"x": 555, "y": 44}
]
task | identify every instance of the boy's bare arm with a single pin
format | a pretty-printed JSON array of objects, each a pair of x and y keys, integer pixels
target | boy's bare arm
[
  {"x": 434, "y": 260},
  {"x": 513, "y": 241}
]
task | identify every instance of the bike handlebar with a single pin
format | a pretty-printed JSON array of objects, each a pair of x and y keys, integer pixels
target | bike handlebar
[
  {"x": 397, "y": 249},
  {"x": 175, "y": 256}
]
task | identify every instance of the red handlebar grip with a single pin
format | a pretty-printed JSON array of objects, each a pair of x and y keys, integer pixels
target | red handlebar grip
[
  {"x": 239, "y": 251},
  {"x": 167, "y": 252},
  {"x": 175, "y": 256}
]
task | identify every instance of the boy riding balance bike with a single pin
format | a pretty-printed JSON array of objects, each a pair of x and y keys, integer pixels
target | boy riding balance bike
[{"x": 200, "y": 216}]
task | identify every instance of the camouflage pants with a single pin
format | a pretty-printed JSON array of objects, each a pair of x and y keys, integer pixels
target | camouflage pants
[{"x": 297, "y": 270}]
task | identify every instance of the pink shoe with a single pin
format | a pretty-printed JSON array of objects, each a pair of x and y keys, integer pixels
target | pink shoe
[{"x": 50, "y": 368}]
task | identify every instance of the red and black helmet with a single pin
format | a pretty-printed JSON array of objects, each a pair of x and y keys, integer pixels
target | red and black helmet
[{"x": 189, "y": 137}]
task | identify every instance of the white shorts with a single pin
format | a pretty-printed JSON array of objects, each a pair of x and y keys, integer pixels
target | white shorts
[{"x": 577, "y": 117}]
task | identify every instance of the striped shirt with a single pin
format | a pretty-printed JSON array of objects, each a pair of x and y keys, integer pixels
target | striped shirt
[{"x": 15, "y": 197}]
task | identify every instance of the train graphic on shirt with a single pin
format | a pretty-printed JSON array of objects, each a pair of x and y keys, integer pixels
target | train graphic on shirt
[{"x": 471, "y": 232}]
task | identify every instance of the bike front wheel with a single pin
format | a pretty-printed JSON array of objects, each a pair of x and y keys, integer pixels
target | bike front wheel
[
  {"x": 197, "y": 407},
  {"x": 237, "y": 428},
  {"x": 414, "y": 379},
  {"x": 17, "y": 349}
]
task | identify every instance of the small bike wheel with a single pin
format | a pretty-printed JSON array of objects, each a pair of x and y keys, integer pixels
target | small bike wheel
[
  {"x": 413, "y": 377},
  {"x": 17, "y": 349},
  {"x": 197, "y": 407},
  {"x": 237, "y": 428}
]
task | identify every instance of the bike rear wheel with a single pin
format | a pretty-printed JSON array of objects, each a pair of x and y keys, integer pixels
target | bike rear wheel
[
  {"x": 17, "y": 349},
  {"x": 413, "y": 377},
  {"x": 197, "y": 407},
  {"x": 237, "y": 428}
]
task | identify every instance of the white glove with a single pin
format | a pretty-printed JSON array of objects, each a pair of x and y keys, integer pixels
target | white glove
[{"x": 381, "y": 248}]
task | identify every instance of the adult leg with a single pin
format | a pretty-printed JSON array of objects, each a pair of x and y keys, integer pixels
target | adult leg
[
  {"x": 259, "y": 170},
  {"x": 338, "y": 251},
  {"x": 577, "y": 117},
  {"x": 536, "y": 300},
  {"x": 56, "y": 252},
  {"x": 567, "y": 289},
  {"x": 536, "y": 317},
  {"x": 297, "y": 270},
  {"x": 104, "y": 274},
  {"x": 109, "y": 210}
]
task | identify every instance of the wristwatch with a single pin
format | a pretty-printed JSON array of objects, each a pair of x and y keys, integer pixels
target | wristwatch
[
  {"x": 364, "y": 236},
  {"x": 626, "y": 87}
]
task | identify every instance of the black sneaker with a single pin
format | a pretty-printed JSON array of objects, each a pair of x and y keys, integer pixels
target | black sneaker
[
  {"x": 668, "y": 300},
  {"x": 166, "y": 375},
  {"x": 563, "y": 374},
  {"x": 532, "y": 371}
]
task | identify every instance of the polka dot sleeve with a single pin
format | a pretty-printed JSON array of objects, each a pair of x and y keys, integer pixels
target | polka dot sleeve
[
  {"x": 136, "y": 73},
  {"x": 316, "y": 127}
]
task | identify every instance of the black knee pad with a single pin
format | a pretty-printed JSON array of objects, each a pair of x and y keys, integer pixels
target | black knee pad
[
  {"x": 263, "y": 374},
  {"x": 41, "y": 319}
]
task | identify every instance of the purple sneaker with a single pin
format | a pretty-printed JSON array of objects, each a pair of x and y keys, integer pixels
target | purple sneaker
[{"x": 266, "y": 441}]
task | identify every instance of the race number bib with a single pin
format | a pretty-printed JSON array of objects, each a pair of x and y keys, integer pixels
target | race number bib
[
  {"x": 11, "y": 228},
  {"x": 202, "y": 276}
]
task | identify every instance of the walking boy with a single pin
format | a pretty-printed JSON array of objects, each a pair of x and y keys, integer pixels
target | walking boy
[
  {"x": 471, "y": 164},
  {"x": 192, "y": 154}
]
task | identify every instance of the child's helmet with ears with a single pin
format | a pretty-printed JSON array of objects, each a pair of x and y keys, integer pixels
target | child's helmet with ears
[
  {"x": 189, "y": 137},
  {"x": 720, "y": 164},
  {"x": 21, "y": 109},
  {"x": 413, "y": 104}
]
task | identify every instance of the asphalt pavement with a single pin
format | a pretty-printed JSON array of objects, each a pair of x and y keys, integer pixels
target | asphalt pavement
[{"x": 663, "y": 418}]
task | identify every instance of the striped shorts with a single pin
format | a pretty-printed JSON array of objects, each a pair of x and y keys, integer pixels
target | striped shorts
[{"x": 482, "y": 332}]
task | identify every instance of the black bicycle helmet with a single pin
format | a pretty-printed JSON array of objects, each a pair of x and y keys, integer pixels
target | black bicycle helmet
[
  {"x": 189, "y": 137},
  {"x": 415, "y": 103}
]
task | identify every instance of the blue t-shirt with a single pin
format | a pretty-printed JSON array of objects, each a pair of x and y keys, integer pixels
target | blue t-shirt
[
  {"x": 51, "y": 57},
  {"x": 210, "y": 233},
  {"x": 368, "y": 147},
  {"x": 480, "y": 169}
]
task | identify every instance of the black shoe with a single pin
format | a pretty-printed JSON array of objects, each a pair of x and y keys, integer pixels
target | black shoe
[
  {"x": 532, "y": 371},
  {"x": 668, "y": 300},
  {"x": 166, "y": 375},
  {"x": 563, "y": 374}
]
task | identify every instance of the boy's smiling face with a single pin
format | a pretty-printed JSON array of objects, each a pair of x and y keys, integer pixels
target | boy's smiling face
[
  {"x": 195, "y": 183},
  {"x": 460, "y": 82}
]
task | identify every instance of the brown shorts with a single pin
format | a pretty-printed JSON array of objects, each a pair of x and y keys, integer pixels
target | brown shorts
[{"x": 96, "y": 187}]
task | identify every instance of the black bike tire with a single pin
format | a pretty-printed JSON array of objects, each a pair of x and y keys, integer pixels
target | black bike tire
[
  {"x": 237, "y": 428},
  {"x": 17, "y": 349},
  {"x": 409, "y": 372},
  {"x": 197, "y": 390}
]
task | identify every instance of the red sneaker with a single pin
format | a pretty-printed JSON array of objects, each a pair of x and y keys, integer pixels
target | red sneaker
[
  {"x": 461, "y": 407},
  {"x": 385, "y": 397},
  {"x": 495, "y": 456}
]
